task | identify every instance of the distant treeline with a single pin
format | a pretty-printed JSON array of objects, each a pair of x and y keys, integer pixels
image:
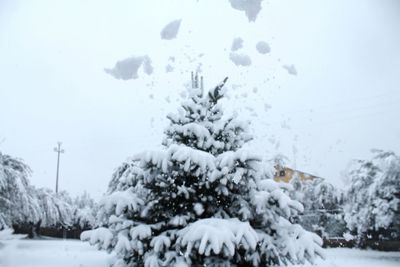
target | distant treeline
[
  {"x": 366, "y": 211},
  {"x": 23, "y": 206}
]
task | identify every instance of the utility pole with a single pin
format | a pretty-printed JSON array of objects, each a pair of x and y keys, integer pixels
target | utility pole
[
  {"x": 195, "y": 81},
  {"x": 59, "y": 151}
]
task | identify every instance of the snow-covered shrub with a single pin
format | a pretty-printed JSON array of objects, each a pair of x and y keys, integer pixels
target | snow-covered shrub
[
  {"x": 56, "y": 209},
  {"x": 373, "y": 196},
  {"x": 85, "y": 210},
  {"x": 59, "y": 210},
  {"x": 6, "y": 234},
  {"x": 323, "y": 211},
  {"x": 3, "y": 224},
  {"x": 202, "y": 200}
]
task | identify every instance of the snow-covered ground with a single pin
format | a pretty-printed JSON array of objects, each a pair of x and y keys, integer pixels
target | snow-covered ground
[
  {"x": 50, "y": 253},
  {"x": 345, "y": 257},
  {"x": 73, "y": 253}
]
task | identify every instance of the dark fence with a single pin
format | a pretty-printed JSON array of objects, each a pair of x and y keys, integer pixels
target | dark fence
[
  {"x": 61, "y": 233},
  {"x": 382, "y": 245},
  {"x": 58, "y": 232},
  {"x": 74, "y": 233}
]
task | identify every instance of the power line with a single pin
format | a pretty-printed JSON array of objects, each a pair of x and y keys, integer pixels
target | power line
[
  {"x": 335, "y": 117},
  {"x": 348, "y": 102}
]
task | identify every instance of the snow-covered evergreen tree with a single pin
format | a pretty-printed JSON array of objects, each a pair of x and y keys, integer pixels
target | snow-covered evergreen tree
[
  {"x": 202, "y": 200},
  {"x": 373, "y": 196}
]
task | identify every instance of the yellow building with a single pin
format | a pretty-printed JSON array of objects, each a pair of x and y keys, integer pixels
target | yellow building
[{"x": 285, "y": 174}]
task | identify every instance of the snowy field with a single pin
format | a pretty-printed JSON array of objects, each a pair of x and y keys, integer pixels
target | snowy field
[
  {"x": 345, "y": 257},
  {"x": 72, "y": 253},
  {"x": 50, "y": 253}
]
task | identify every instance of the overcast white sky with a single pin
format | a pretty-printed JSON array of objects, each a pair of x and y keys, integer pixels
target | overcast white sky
[{"x": 343, "y": 102}]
